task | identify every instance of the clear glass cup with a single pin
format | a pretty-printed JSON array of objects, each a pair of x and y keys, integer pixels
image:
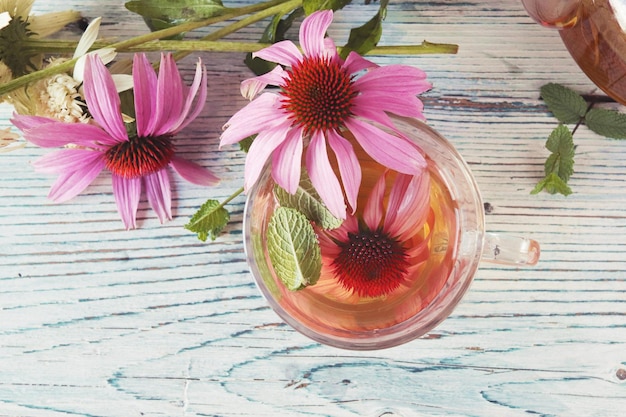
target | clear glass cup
[
  {"x": 457, "y": 245},
  {"x": 594, "y": 32}
]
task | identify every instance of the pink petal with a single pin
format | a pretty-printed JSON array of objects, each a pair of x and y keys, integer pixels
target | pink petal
[
  {"x": 193, "y": 172},
  {"x": 395, "y": 152},
  {"x": 370, "y": 112},
  {"x": 23, "y": 122},
  {"x": 253, "y": 86},
  {"x": 159, "y": 194},
  {"x": 328, "y": 241},
  {"x": 283, "y": 53},
  {"x": 56, "y": 134},
  {"x": 330, "y": 51},
  {"x": 349, "y": 225},
  {"x": 392, "y": 80},
  {"x": 322, "y": 176},
  {"x": 373, "y": 212},
  {"x": 287, "y": 161},
  {"x": 399, "y": 195},
  {"x": 145, "y": 82},
  {"x": 349, "y": 166},
  {"x": 71, "y": 183},
  {"x": 65, "y": 160},
  {"x": 127, "y": 192},
  {"x": 313, "y": 31},
  {"x": 355, "y": 63},
  {"x": 199, "y": 84},
  {"x": 169, "y": 96},
  {"x": 372, "y": 106},
  {"x": 414, "y": 208},
  {"x": 102, "y": 98},
  {"x": 260, "y": 150},
  {"x": 261, "y": 114}
]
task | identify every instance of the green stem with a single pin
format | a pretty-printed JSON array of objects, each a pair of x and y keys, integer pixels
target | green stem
[
  {"x": 225, "y": 46},
  {"x": 424, "y": 48},
  {"x": 232, "y": 197},
  {"x": 247, "y": 21},
  {"x": 151, "y": 42},
  {"x": 138, "y": 40}
]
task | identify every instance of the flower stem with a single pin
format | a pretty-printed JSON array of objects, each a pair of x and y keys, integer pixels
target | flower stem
[
  {"x": 424, "y": 48},
  {"x": 232, "y": 197},
  {"x": 260, "y": 15},
  {"x": 159, "y": 34},
  {"x": 151, "y": 41},
  {"x": 225, "y": 46}
]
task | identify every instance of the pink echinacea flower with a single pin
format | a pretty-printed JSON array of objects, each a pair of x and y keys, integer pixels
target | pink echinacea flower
[
  {"x": 163, "y": 106},
  {"x": 376, "y": 253},
  {"x": 322, "y": 97}
]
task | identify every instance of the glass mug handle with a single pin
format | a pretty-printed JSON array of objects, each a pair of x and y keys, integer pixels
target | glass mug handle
[
  {"x": 553, "y": 13},
  {"x": 510, "y": 250}
]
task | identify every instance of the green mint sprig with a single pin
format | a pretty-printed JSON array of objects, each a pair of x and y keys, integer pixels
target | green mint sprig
[
  {"x": 292, "y": 241},
  {"x": 569, "y": 107},
  {"x": 211, "y": 218},
  {"x": 560, "y": 164},
  {"x": 307, "y": 201},
  {"x": 293, "y": 248}
]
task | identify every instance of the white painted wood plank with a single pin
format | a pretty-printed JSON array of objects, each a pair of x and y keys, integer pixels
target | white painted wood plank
[{"x": 98, "y": 321}]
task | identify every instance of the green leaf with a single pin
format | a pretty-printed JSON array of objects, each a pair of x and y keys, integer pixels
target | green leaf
[
  {"x": 567, "y": 105},
  {"x": 561, "y": 161},
  {"x": 608, "y": 123},
  {"x": 311, "y": 6},
  {"x": 293, "y": 248},
  {"x": 553, "y": 184},
  {"x": 245, "y": 143},
  {"x": 365, "y": 38},
  {"x": 161, "y": 14},
  {"x": 560, "y": 164},
  {"x": 209, "y": 220},
  {"x": 308, "y": 202}
]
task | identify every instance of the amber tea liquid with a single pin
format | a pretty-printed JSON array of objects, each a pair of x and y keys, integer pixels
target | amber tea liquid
[{"x": 329, "y": 309}]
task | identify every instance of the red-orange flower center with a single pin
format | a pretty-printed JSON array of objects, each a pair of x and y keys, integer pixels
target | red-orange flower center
[
  {"x": 318, "y": 94},
  {"x": 139, "y": 156},
  {"x": 371, "y": 263}
]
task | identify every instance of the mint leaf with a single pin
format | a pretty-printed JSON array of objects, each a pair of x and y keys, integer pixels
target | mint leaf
[
  {"x": 209, "y": 220},
  {"x": 560, "y": 164},
  {"x": 608, "y": 123},
  {"x": 553, "y": 184},
  {"x": 567, "y": 105},
  {"x": 365, "y": 38},
  {"x": 293, "y": 248},
  {"x": 308, "y": 202},
  {"x": 561, "y": 161}
]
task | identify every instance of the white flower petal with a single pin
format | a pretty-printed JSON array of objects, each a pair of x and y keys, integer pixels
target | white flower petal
[
  {"x": 5, "y": 19},
  {"x": 122, "y": 82},
  {"x": 106, "y": 55},
  {"x": 88, "y": 38}
]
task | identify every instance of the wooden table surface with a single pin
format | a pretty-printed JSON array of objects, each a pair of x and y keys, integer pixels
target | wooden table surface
[{"x": 99, "y": 321}]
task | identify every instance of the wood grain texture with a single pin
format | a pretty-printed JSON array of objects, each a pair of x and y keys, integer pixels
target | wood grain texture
[{"x": 99, "y": 321}]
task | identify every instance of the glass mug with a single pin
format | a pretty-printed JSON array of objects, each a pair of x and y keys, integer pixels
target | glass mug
[
  {"x": 457, "y": 243},
  {"x": 594, "y": 32}
]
